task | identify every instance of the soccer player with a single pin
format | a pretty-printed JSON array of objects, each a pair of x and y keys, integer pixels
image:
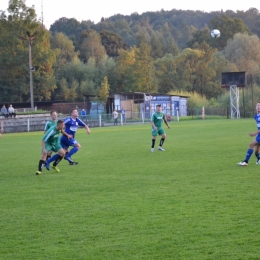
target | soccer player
[
  {"x": 256, "y": 141},
  {"x": 51, "y": 142},
  {"x": 71, "y": 126},
  {"x": 257, "y": 153},
  {"x": 49, "y": 124},
  {"x": 156, "y": 121}
]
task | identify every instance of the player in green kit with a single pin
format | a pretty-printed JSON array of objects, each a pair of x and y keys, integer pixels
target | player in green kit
[
  {"x": 51, "y": 142},
  {"x": 48, "y": 125},
  {"x": 51, "y": 122},
  {"x": 156, "y": 121}
]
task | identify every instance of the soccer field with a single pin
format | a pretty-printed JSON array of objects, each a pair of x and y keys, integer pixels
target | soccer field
[{"x": 123, "y": 202}]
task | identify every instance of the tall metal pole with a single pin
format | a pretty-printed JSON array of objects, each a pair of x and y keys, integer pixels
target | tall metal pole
[{"x": 30, "y": 69}]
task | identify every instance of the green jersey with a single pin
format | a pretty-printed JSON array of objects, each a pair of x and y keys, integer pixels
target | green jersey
[
  {"x": 49, "y": 124},
  {"x": 51, "y": 137},
  {"x": 157, "y": 119}
]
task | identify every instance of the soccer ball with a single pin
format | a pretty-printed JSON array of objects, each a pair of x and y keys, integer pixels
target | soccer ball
[{"x": 215, "y": 33}]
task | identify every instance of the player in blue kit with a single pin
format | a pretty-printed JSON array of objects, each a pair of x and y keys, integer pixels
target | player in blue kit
[
  {"x": 256, "y": 142},
  {"x": 71, "y": 126}
]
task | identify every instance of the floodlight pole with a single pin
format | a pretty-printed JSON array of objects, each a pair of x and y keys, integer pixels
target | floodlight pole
[
  {"x": 31, "y": 68},
  {"x": 234, "y": 102}
]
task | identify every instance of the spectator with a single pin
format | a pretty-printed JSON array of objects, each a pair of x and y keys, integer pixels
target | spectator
[
  {"x": 123, "y": 115},
  {"x": 83, "y": 113},
  {"x": 4, "y": 111},
  {"x": 169, "y": 118},
  {"x": 11, "y": 111},
  {"x": 115, "y": 114}
]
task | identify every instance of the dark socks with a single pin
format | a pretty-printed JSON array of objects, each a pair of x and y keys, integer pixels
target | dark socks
[
  {"x": 58, "y": 159},
  {"x": 153, "y": 142},
  {"x": 40, "y": 165},
  {"x": 162, "y": 141}
]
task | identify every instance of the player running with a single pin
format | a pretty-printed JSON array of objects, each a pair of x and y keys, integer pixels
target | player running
[
  {"x": 256, "y": 142},
  {"x": 51, "y": 142},
  {"x": 156, "y": 121},
  {"x": 71, "y": 126}
]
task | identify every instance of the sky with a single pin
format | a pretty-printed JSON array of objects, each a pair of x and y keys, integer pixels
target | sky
[{"x": 94, "y": 10}]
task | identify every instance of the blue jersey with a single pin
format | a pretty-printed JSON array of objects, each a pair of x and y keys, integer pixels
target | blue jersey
[
  {"x": 257, "y": 120},
  {"x": 71, "y": 125}
]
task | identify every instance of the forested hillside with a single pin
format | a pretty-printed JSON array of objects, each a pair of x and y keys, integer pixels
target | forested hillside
[{"x": 164, "y": 51}]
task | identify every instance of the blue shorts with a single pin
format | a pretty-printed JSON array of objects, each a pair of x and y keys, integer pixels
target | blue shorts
[
  {"x": 66, "y": 142},
  {"x": 258, "y": 138}
]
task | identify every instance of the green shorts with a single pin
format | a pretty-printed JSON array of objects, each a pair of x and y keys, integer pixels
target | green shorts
[
  {"x": 52, "y": 147},
  {"x": 159, "y": 131}
]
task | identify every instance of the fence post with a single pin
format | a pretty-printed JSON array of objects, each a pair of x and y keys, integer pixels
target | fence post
[
  {"x": 121, "y": 118},
  {"x": 28, "y": 124},
  {"x": 2, "y": 126},
  {"x": 99, "y": 120},
  {"x": 142, "y": 114}
]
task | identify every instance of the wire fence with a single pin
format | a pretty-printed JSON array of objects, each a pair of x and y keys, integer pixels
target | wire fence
[{"x": 35, "y": 122}]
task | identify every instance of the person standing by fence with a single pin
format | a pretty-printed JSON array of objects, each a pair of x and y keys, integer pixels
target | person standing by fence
[
  {"x": 123, "y": 114},
  {"x": 115, "y": 115}
]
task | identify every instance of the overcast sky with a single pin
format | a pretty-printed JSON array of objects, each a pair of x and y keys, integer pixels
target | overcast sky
[{"x": 94, "y": 10}]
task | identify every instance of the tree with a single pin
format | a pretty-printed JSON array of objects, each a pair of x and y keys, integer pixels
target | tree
[
  {"x": 228, "y": 28},
  {"x": 156, "y": 46},
  {"x": 145, "y": 80},
  {"x": 112, "y": 43},
  {"x": 165, "y": 72},
  {"x": 91, "y": 46},
  {"x": 244, "y": 51},
  {"x": 69, "y": 90},
  {"x": 103, "y": 92},
  {"x": 65, "y": 48},
  {"x": 14, "y": 69},
  {"x": 124, "y": 68}
]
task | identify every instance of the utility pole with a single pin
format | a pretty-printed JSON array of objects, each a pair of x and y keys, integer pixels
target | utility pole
[{"x": 31, "y": 68}]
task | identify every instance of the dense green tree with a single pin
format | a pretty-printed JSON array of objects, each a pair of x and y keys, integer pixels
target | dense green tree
[
  {"x": 112, "y": 43},
  {"x": 165, "y": 71},
  {"x": 244, "y": 51},
  {"x": 103, "y": 91},
  {"x": 200, "y": 36},
  {"x": 91, "y": 46},
  {"x": 14, "y": 68},
  {"x": 145, "y": 80},
  {"x": 228, "y": 27},
  {"x": 65, "y": 47},
  {"x": 71, "y": 27},
  {"x": 125, "y": 72},
  {"x": 157, "y": 47}
]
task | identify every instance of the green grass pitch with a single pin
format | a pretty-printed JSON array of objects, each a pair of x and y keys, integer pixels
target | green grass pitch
[{"x": 123, "y": 202}]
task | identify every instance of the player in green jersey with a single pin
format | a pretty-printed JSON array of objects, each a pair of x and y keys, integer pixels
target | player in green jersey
[
  {"x": 156, "y": 120},
  {"x": 51, "y": 122},
  {"x": 51, "y": 142},
  {"x": 48, "y": 125}
]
